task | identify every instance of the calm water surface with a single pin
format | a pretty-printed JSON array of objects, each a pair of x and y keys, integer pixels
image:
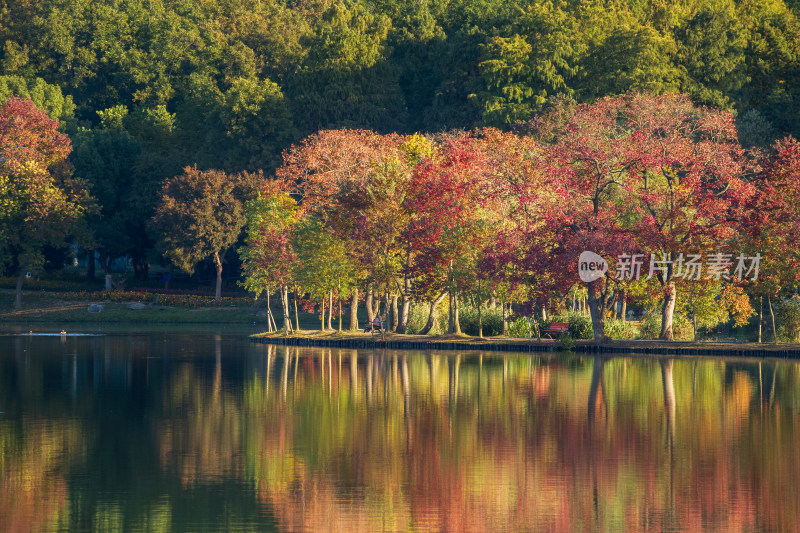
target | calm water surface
[{"x": 203, "y": 431}]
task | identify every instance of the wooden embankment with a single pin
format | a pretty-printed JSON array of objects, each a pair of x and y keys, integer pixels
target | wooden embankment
[{"x": 751, "y": 350}]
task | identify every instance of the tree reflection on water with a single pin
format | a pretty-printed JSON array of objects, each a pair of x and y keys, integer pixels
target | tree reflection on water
[{"x": 125, "y": 433}]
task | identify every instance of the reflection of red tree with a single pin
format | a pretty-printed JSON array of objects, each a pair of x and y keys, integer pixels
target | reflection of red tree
[
  {"x": 32, "y": 491},
  {"x": 30, "y": 505},
  {"x": 519, "y": 461}
]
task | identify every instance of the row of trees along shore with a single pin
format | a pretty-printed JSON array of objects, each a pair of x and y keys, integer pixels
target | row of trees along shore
[
  {"x": 480, "y": 214},
  {"x": 144, "y": 89}
]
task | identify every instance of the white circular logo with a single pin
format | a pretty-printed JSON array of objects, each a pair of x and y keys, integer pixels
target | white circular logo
[{"x": 591, "y": 267}]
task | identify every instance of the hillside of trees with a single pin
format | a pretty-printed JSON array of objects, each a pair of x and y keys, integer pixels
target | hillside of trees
[{"x": 230, "y": 84}]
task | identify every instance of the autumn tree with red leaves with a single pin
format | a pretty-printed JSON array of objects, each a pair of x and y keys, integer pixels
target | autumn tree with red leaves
[
  {"x": 576, "y": 204},
  {"x": 689, "y": 186},
  {"x": 39, "y": 198},
  {"x": 333, "y": 172},
  {"x": 773, "y": 227},
  {"x": 447, "y": 199},
  {"x": 639, "y": 174}
]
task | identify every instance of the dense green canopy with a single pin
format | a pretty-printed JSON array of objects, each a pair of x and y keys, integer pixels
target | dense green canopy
[
  {"x": 146, "y": 87},
  {"x": 242, "y": 79}
]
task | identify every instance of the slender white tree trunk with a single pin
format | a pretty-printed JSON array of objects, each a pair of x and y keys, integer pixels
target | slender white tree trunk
[{"x": 218, "y": 264}]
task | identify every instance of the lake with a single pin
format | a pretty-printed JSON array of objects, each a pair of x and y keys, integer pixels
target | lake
[{"x": 201, "y": 430}]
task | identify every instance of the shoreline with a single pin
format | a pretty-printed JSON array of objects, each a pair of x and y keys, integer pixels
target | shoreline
[{"x": 506, "y": 344}]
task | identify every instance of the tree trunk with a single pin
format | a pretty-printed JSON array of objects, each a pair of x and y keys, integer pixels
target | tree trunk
[
  {"x": 386, "y": 309},
  {"x": 450, "y": 313},
  {"x": 18, "y": 293},
  {"x": 544, "y": 313},
  {"x": 269, "y": 314},
  {"x": 772, "y": 316},
  {"x": 401, "y": 327},
  {"x": 140, "y": 267},
  {"x": 218, "y": 288},
  {"x": 287, "y": 319},
  {"x": 598, "y": 299},
  {"x": 322, "y": 318},
  {"x": 760, "y": 316},
  {"x": 296, "y": 314},
  {"x": 432, "y": 313},
  {"x": 667, "y": 310},
  {"x": 170, "y": 275},
  {"x": 395, "y": 318},
  {"x": 505, "y": 322},
  {"x": 624, "y": 300},
  {"x": 368, "y": 305},
  {"x": 456, "y": 321},
  {"x": 330, "y": 310},
  {"x": 376, "y": 306},
  {"x": 340, "y": 315},
  {"x": 90, "y": 266},
  {"x": 354, "y": 310},
  {"x": 480, "y": 322},
  {"x": 105, "y": 262}
]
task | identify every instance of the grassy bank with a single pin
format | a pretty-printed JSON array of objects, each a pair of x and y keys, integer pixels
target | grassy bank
[{"x": 49, "y": 307}]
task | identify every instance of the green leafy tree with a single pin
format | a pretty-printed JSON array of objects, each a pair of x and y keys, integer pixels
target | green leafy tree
[
  {"x": 44, "y": 96},
  {"x": 106, "y": 159},
  {"x": 711, "y": 54},
  {"x": 345, "y": 80},
  {"x": 324, "y": 265},
  {"x": 537, "y": 59},
  {"x": 269, "y": 261}
]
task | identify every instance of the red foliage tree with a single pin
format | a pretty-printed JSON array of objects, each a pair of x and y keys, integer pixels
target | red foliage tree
[
  {"x": 689, "y": 185},
  {"x": 38, "y": 196},
  {"x": 333, "y": 173},
  {"x": 448, "y": 200},
  {"x": 638, "y": 174}
]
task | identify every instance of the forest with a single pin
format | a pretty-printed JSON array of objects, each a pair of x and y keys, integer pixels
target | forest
[{"x": 461, "y": 136}]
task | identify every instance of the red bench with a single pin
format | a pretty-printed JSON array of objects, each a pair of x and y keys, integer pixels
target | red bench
[{"x": 556, "y": 328}]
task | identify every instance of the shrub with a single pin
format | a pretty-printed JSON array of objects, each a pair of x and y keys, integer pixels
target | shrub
[
  {"x": 417, "y": 318},
  {"x": 617, "y": 329},
  {"x": 787, "y": 314},
  {"x": 650, "y": 327},
  {"x": 517, "y": 328},
  {"x": 567, "y": 343},
  {"x": 580, "y": 325},
  {"x": 492, "y": 320}
]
